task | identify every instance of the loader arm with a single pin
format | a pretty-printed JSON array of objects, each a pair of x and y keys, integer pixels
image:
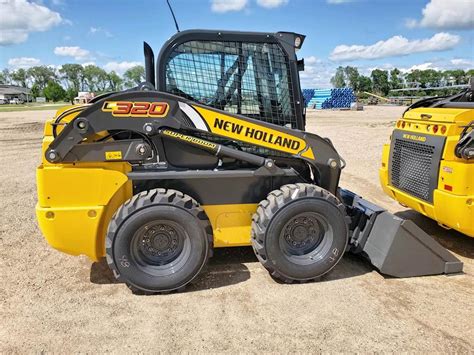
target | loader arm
[{"x": 137, "y": 112}]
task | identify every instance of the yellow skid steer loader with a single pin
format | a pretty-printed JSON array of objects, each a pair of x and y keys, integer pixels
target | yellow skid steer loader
[{"x": 212, "y": 153}]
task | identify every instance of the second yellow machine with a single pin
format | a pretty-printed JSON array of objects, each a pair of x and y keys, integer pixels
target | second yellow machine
[{"x": 429, "y": 164}]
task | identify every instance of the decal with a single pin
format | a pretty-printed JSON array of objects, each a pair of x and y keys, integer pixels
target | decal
[
  {"x": 136, "y": 109},
  {"x": 115, "y": 155},
  {"x": 190, "y": 139},
  {"x": 414, "y": 137},
  {"x": 249, "y": 132}
]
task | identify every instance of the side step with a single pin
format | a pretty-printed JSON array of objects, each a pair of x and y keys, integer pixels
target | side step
[{"x": 395, "y": 246}]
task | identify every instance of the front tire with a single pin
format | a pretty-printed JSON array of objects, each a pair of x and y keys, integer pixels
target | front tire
[
  {"x": 158, "y": 241},
  {"x": 299, "y": 232}
]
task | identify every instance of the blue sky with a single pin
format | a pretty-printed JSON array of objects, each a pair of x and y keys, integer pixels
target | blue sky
[{"x": 364, "y": 33}]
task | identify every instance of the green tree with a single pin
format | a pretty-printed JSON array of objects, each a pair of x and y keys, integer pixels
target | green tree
[
  {"x": 395, "y": 79},
  {"x": 456, "y": 77},
  {"x": 42, "y": 75},
  {"x": 73, "y": 74},
  {"x": 380, "y": 82},
  {"x": 364, "y": 84},
  {"x": 5, "y": 77},
  {"x": 35, "y": 91},
  {"x": 338, "y": 80},
  {"x": 134, "y": 76},
  {"x": 96, "y": 78},
  {"x": 70, "y": 94},
  {"x": 352, "y": 77},
  {"x": 115, "y": 81},
  {"x": 20, "y": 77},
  {"x": 53, "y": 91}
]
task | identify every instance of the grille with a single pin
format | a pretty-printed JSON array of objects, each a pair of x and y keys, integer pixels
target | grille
[
  {"x": 251, "y": 79},
  {"x": 411, "y": 168}
]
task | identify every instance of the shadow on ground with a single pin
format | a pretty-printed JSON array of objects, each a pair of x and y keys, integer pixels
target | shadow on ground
[
  {"x": 224, "y": 269},
  {"x": 227, "y": 267},
  {"x": 452, "y": 240}
]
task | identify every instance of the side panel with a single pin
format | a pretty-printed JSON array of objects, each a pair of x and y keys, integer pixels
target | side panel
[{"x": 231, "y": 223}]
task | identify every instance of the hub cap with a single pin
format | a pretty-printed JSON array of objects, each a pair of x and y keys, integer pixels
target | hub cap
[
  {"x": 159, "y": 243},
  {"x": 305, "y": 237}
]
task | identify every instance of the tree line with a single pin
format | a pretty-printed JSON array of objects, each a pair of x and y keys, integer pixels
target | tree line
[
  {"x": 64, "y": 83},
  {"x": 383, "y": 81}
]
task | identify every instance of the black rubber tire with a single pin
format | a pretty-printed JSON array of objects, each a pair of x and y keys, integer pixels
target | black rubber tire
[
  {"x": 285, "y": 205},
  {"x": 159, "y": 207}
]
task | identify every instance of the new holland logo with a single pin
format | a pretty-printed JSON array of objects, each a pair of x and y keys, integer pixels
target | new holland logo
[
  {"x": 257, "y": 134},
  {"x": 414, "y": 137}
]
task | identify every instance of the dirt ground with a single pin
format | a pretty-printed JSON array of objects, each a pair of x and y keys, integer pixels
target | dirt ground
[{"x": 59, "y": 303}]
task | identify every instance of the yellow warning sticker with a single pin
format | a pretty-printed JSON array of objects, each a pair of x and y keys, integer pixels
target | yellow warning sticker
[{"x": 115, "y": 155}]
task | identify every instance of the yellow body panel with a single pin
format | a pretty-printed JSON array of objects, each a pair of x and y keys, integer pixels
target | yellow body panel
[
  {"x": 231, "y": 223},
  {"x": 453, "y": 199}
]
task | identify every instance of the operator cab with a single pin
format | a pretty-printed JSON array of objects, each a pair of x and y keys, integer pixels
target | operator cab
[{"x": 248, "y": 73}]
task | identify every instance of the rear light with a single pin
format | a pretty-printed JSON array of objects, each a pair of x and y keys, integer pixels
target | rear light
[
  {"x": 403, "y": 124},
  {"x": 428, "y": 128},
  {"x": 448, "y": 187},
  {"x": 435, "y": 128},
  {"x": 398, "y": 124},
  {"x": 443, "y": 129}
]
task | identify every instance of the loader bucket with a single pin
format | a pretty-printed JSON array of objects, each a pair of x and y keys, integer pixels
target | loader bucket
[{"x": 395, "y": 246}]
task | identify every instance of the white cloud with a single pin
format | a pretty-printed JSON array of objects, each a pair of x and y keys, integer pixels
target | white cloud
[
  {"x": 463, "y": 63},
  {"x": 77, "y": 52},
  {"x": 21, "y": 17},
  {"x": 311, "y": 60},
  {"x": 444, "y": 14},
  {"x": 271, "y": 4},
  {"x": 120, "y": 67},
  {"x": 96, "y": 30},
  {"x": 222, "y": 6},
  {"x": 395, "y": 46},
  {"x": 23, "y": 62}
]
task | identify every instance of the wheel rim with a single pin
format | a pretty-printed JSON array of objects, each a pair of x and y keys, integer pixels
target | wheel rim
[
  {"x": 306, "y": 238},
  {"x": 160, "y": 247}
]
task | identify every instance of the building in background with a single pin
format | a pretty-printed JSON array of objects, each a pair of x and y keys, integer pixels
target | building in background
[{"x": 11, "y": 92}]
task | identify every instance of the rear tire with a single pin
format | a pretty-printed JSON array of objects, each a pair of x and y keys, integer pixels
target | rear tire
[
  {"x": 299, "y": 232},
  {"x": 158, "y": 241}
]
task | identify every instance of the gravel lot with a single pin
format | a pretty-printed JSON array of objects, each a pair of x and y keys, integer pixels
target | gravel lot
[{"x": 58, "y": 303}]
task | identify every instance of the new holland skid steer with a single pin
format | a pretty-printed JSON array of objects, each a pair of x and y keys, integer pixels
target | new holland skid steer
[
  {"x": 429, "y": 164},
  {"x": 211, "y": 154}
]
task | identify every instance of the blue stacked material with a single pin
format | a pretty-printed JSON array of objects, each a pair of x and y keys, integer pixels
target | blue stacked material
[
  {"x": 308, "y": 95},
  {"x": 330, "y": 98}
]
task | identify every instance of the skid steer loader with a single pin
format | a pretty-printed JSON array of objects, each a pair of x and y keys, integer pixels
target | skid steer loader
[
  {"x": 429, "y": 163},
  {"x": 211, "y": 154}
]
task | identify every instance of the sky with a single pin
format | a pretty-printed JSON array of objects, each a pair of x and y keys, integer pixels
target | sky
[{"x": 368, "y": 34}]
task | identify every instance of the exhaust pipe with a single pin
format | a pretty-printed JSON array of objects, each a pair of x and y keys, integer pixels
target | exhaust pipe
[{"x": 149, "y": 64}]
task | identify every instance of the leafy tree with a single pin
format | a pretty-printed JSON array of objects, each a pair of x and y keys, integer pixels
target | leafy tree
[
  {"x": 20, "y": 77},
  {"x": 456, "y": 76},
  {"x": 380, "y": 82},
  {"x": 115, "y": 81},
  {"x": 364, "y": 84},
  {"x": 35, "y": 91},
  {"x": 352, "y": 77},
  {"x": 53, "y": 91},
  {"x": 96, "y": 78},
  {"x": 73, "y": 74},
  {"x": 42, "y": 75},
  {"x": 134, "y": 76},
  {"x": 395, "y": 79},
  {"x": 70, "y": 94},
  {"x": 338, "y": 80},
  {"x": 5, "y": 77}
]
